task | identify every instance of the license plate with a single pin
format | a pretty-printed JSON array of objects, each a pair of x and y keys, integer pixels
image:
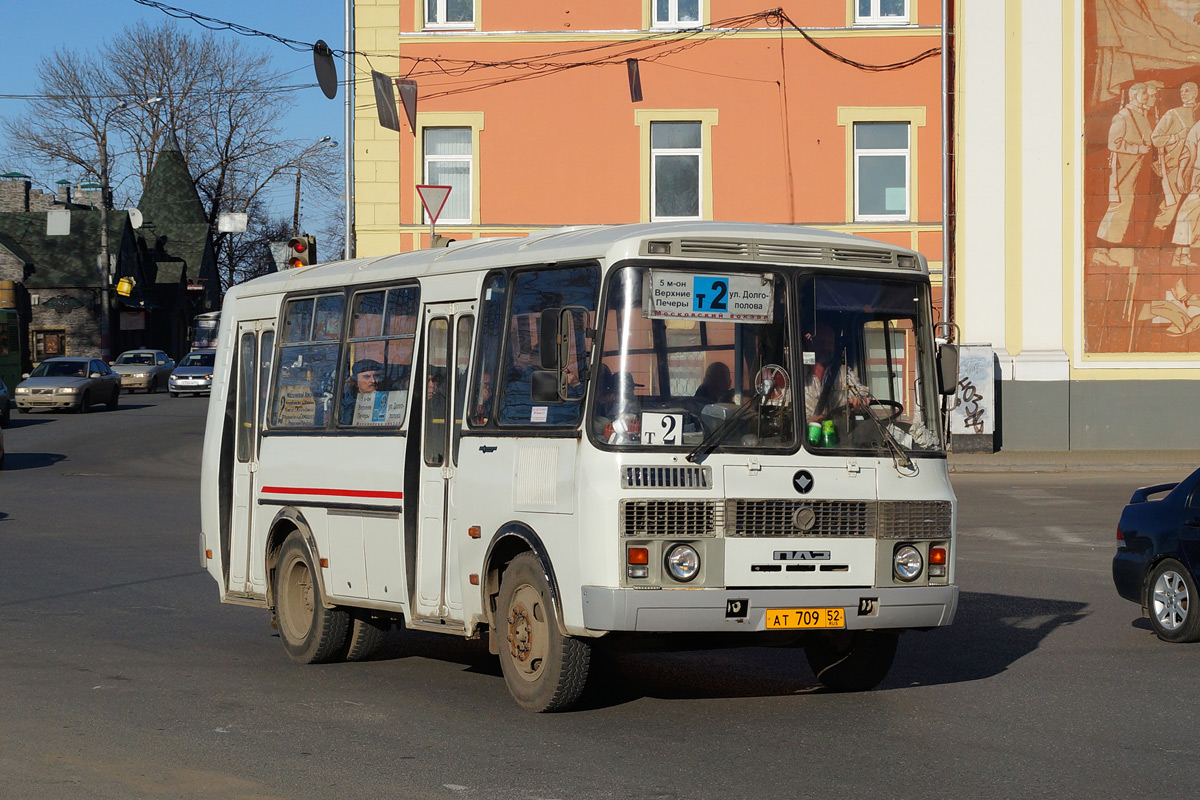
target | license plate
[{"x": 791, "y": 618}]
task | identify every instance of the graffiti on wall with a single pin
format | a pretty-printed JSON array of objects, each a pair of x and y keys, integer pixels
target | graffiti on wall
[
  {"x": 973, "y": 410},
  {"x": 1141, "y": 291}
]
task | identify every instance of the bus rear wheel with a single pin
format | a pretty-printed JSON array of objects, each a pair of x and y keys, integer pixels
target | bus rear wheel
[
  {"x": 544, "y": 669},
  {"x": 851, "y": 661},
  {"x": 310, "y": 632}
]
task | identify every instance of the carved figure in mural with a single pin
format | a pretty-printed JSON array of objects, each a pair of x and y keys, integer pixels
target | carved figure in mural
[
  {"x": 1187, "y": 222},
  {"x": 1129, "y": 154},
  {"x": 1137, "y": 35},
  {"x": 1179, "y": 311},
  {"x": 1168, "y": 139}
]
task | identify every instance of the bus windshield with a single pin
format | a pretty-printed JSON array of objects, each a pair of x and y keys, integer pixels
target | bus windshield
[
  {"x": 706, "y": 358},
  {"x": 682, "y": 360}
]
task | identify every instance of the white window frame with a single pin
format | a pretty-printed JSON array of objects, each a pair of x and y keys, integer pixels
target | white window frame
[
  {"x": 440, "y": 14},
  {"x": 906, "y": 152},
  {"x": 467, "y": 158},
  {"x": 672, "y": 20},
  {"x": 697, "y": 152},
  {"x": 876, "y": 18}
]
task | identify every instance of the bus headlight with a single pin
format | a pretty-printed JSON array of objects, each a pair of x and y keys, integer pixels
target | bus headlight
[
  {"x": 683, "y": 562},
  {"x": 908, "y": 563}
]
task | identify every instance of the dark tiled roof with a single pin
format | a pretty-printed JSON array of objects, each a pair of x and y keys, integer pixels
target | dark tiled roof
[
  {"x": 175, "y": 226},
  {"x": 62, "y": 260}
]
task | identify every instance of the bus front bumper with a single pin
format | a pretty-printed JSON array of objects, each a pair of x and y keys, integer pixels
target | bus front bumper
[{"x": 745, "y": 610}]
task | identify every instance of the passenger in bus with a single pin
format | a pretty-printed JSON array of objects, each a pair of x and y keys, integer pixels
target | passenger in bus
[
  {"x": 829, "y": 382},
  {"x": 366, "y": 375},
  {"x": 435, "y": 398},
  {"x": 717, "y": 386},
  {"x": 483, "y": 400}
]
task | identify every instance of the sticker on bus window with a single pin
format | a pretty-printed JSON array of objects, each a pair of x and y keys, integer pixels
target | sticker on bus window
[
  {"x": 732, "y": 298},
  {"x": 539, "y": 413},
  {"x": 662, "y": 429}
]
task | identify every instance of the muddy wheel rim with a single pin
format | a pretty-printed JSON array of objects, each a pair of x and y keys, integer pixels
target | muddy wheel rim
[
  {"x": 527, "y": 632},
  {"x": 297, "y": 601}
]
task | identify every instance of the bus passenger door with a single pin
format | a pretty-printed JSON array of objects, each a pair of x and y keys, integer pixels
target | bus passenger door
[
  {"x": 447, "y": 349},
  {"x": 255, "y": 347}
]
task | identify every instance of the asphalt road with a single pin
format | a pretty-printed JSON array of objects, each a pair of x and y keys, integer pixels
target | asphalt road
[{"x": 122, "y": 676}]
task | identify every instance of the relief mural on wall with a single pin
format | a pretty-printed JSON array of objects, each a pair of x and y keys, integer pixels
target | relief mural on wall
[{"x": 1141, "y": 291}]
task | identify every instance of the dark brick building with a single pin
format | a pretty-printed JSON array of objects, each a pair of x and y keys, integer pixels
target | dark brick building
[{"x": 50, "y": 249}]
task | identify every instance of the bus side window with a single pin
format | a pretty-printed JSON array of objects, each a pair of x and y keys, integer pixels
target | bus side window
[
  {"x": 302, "y": 394},
  {"x": 533, "y": 291},
  {"x": 487, "y": 359}
]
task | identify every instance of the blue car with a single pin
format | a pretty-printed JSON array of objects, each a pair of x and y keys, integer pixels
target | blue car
[{"x": 1158, "y": 556}]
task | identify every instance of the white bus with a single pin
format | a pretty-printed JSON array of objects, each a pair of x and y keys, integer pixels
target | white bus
[{"x": 605, "y": 436}]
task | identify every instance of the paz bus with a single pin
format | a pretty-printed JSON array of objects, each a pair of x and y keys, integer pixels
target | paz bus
[{"x": 593, "y": 437}]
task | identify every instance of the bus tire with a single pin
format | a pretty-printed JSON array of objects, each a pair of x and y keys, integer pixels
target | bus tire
[
  {"x": 851, "y": 661},
  {"x": 544, "y": 669},
  {"x": 365, "y": 636},
  {"x": 310, "y": 632}
]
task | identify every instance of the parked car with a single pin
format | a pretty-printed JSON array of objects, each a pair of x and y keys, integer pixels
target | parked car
[
  {"x": 148, "y": 370},
  {"x": 1, "y": 448},
  {"x": 5, "y": 405},
  {"x": 71, "y": 383},
  {"x": 193, "y": 374},
  {"x": 1157, "y": 564}
]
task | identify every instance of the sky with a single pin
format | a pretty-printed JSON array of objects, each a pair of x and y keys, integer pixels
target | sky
[{"x": 34, "y": 28}]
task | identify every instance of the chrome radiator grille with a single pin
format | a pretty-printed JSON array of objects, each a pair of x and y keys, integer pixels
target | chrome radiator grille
[
  {"x": 681, "y": 518},
  {"x": 914, "y": 519},
  {"x": 779, "y": 518}
]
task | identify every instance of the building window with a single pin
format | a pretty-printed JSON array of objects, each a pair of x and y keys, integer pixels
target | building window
[
  {"x": 448, "y": 162},
  {"x": 677, "y": 13},
  {"x": 49, "y": 344},
  {"x": 449, "y": 13},
  {"x": 675, "y": 170},
  {"x": 881, "y": 171},
  {"x": 880, "y": 12}
]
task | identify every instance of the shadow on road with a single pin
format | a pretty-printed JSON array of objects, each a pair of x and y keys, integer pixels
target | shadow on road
[
  {"x": 990, "y": 633},
  {"x": 25, "y": 421},
  {"x": 14, "y": 461}
]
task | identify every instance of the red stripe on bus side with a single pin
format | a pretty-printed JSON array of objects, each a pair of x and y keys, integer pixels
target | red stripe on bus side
[{"x": 333, "y": 492}]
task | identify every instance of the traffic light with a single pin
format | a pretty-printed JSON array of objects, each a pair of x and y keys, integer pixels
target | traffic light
[{"x": 302, "y": 251}]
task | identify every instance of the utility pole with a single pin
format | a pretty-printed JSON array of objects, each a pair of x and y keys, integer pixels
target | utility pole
[
  {"x": 296, "y": 208},
  {"x": 105, "y": 268}
]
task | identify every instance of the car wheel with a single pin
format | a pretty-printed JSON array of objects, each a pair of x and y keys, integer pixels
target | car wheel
[
  {"x": 1169, "y": 599},
  {"x": 310, "y": 632},
  {"x": 174, "y": 394},
  {"x": 6, "y": 417},
  {"x": 111, "y": 405},
  {"x": 22, "y": 410},
  {"x": 85, "y": 403},
  {"x": 851, "y": 661},
  {"x": 545, "y": 670}
]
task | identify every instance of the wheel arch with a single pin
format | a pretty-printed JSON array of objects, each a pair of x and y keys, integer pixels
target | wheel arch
[
  {"x": 287, "y": 521},
  {"x": 509, "y": 541}
]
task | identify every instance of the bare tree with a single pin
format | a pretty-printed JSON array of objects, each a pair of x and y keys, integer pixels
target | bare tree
[{"x": 223, "y": 101}]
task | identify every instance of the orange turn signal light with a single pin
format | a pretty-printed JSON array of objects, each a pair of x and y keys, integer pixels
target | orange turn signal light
[
  {"x": 208, "y": 554},
  {"x": 638, "y": 555},
  {"x": 324, "y": 563},
  {"x": 474, "y": 532},
  {"x": 937, "y": 555}
]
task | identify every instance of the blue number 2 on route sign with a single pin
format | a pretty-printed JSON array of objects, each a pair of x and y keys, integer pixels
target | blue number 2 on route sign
[{"x": 710, "y": 294}]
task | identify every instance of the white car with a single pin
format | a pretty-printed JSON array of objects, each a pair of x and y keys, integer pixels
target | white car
[
  {"x": 193, "y": 374},
  {"x": 143, "y": 369}
]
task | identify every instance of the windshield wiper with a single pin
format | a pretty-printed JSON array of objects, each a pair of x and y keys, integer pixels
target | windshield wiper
[{"x": 709, "y": 442}]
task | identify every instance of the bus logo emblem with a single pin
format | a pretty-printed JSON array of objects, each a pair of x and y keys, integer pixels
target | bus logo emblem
[{"x": 803, "y": 481}]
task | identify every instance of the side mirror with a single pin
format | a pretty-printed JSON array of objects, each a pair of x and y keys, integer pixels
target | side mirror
[
  {"x": 548, "y": 338},
  {"x": 94, "y": 375},
  {"x": 24, "y": 375},
  {"x": 947, "y": 368},
  {"x": 161, "y": 363}
]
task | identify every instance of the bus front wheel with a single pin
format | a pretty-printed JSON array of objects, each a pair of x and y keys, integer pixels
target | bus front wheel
[
  {"x": 544, "y": 669},
  {"x": 851, "y": 661},
  {"x": 310, "y": 632}
]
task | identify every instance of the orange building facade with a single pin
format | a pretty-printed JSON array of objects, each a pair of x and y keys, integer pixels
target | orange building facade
[{"x": 529, "y": 111}]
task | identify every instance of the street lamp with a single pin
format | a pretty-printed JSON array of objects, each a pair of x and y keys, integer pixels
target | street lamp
[
  {"x": 105, "y": 270},
  {"x": 324, "y": 141}
]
